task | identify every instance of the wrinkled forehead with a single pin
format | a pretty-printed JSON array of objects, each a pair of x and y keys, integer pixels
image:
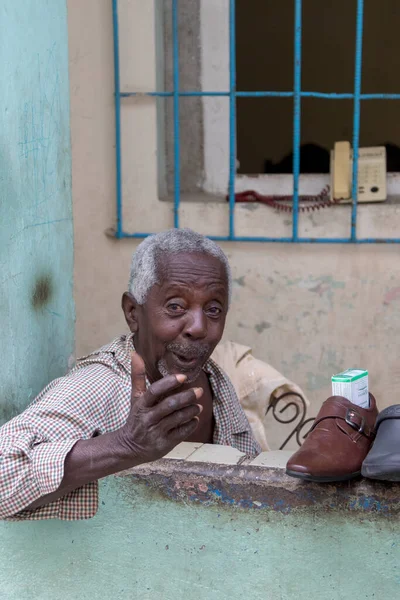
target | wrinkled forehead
[{"x": 196, "y": 269}]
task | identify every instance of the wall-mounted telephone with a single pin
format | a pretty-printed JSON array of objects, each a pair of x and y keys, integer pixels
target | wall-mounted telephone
[{"x": 371, "y": 173}]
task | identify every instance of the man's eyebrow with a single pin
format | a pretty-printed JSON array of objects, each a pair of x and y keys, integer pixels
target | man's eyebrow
[
  {"x": 219, "y": 285},
  {"x": 219, "y": 290}
]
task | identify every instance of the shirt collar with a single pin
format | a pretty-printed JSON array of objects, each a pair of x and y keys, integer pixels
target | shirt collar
[{"x": 226, "y": 402}]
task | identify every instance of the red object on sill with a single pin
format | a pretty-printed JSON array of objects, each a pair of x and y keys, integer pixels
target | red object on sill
[{"x": 322, "y": 200}]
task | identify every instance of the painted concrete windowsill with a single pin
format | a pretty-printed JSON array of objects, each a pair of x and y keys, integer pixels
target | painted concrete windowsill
[
  {"x": 282, "y": 185},
  {"x": 209, "y": 215},
  {"x": 213, "y": 475},
  {"x": 204, "y": 198}
]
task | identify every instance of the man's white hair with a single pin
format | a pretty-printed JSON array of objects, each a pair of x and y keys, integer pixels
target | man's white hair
[{"x": 145, "y": 261}]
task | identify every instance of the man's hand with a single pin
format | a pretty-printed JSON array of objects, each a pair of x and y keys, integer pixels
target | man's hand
[{"x": 160, "y": 417}]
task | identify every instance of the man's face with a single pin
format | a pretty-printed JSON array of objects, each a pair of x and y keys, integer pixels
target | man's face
[{"x": 183, "y": 318}]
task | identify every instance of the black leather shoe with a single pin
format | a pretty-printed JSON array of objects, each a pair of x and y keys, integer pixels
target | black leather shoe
[{"x": 383, "y": 460}]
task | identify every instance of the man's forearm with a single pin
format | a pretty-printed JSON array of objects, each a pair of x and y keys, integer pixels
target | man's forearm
[{"x": 90, "y": 460}]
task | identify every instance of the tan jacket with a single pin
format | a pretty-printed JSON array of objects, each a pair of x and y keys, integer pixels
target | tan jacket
[{"x": 257, "y": 385}]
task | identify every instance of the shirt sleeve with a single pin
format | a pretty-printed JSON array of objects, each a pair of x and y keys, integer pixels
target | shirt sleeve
[{"x": 34, "y": 445}]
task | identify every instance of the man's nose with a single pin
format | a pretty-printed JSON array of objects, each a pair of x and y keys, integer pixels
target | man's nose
[{"x": 196, "y": 327}]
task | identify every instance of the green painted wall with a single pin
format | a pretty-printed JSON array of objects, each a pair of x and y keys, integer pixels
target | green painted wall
[
  {"x": 144, "y": 546},
  {"x": 36, "y": 235}
]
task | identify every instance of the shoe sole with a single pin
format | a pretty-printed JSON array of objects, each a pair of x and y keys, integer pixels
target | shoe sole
[
  {"x": 382, "y": 472},
  {"x": 317, "y": 479}
]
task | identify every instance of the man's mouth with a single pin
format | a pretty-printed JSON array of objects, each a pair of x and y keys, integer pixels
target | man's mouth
[
  {"x": 185, "y": 361},
  {"x": 188, "y": 357}
]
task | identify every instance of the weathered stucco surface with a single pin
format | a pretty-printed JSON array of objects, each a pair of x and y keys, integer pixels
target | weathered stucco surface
[
  {"x": 181, "y": 531},
  {"x": 36, "y": 231},
  {"x": 310, "y": 310}
]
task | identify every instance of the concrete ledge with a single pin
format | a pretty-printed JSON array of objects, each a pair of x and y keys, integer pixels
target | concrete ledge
[
  {"x": 262, "y": 486},
  {"x": 276, "y": 459},
  {"x": 183, "y": 451},
  {"x": 220, "y": 455}
]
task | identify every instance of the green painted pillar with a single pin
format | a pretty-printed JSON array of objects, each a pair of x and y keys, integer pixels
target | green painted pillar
[{"x": 36, "y": 230}]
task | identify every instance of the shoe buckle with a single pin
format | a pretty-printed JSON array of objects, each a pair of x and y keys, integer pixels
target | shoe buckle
[{"x": 355, "y": 420}]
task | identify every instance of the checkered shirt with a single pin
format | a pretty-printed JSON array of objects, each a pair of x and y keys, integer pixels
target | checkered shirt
[{"x": 94, "y": 398}]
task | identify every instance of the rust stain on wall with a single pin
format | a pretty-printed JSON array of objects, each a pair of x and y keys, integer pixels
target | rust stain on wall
[{"x": 42, "y": 292}]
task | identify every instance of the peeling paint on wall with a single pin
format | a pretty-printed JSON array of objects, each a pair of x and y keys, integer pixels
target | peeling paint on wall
[
  {"x": 391, "y": 295},
  {"x": 260, "y": 327},
  {"x": 240, "y": 281}
]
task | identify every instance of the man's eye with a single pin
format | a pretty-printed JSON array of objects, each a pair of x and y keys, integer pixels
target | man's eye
[
  {"x": 175, "y": 307},
  {"x": 214, "y": 311}
]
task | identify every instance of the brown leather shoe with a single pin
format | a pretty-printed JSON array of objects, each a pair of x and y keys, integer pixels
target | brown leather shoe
[{"x": 337, "y": 443}]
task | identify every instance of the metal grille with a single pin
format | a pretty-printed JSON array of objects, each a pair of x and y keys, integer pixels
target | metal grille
[{"x": 297, "y": 94}]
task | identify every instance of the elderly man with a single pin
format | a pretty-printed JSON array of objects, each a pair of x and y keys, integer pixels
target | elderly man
[{"x": 135, "y": 399}]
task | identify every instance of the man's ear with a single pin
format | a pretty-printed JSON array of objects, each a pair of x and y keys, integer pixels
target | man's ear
[{"x": 130, "y": 307}]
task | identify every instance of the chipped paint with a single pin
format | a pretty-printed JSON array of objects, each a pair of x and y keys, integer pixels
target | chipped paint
[
  {"x": 299, "y": 358},
  {"x": 259, "y": 488},
  {"x": 316, "y": 381},
  {"x": 391, "y": 295},
  {"x": 260, "y": 327},
  {"x": 240, "y": 281},
  {"x": 330, "y": 361}
]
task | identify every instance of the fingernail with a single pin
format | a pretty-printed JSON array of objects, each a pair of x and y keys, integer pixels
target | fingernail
[
  {"x": 198, "y": 392},
  {"x": 200, "y": 408},
  {"x": 181, "y": 378}
]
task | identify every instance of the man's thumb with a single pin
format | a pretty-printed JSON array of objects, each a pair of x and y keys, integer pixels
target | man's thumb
[{"x": 138, "y": 375}]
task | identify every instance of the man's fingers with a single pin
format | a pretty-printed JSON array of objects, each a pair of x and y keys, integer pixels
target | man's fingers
[
  {"x": 138, "y": 375},
  {"x": 181, "y": 433},
  {"x": 162, "y": 387},
  {"x": 156, "y": 390},
  {"x": 174, "y": 403},
  {"x": 180, "y": 417}
]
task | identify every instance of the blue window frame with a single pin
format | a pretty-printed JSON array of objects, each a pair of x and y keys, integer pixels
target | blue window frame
[{"x": 297, "y": 94}]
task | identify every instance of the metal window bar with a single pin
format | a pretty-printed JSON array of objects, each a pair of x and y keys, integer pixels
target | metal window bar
[{"x": 297, "y": 94}]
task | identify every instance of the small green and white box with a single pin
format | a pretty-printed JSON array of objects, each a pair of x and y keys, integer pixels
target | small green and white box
[{"x": 353, "y": 385}]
